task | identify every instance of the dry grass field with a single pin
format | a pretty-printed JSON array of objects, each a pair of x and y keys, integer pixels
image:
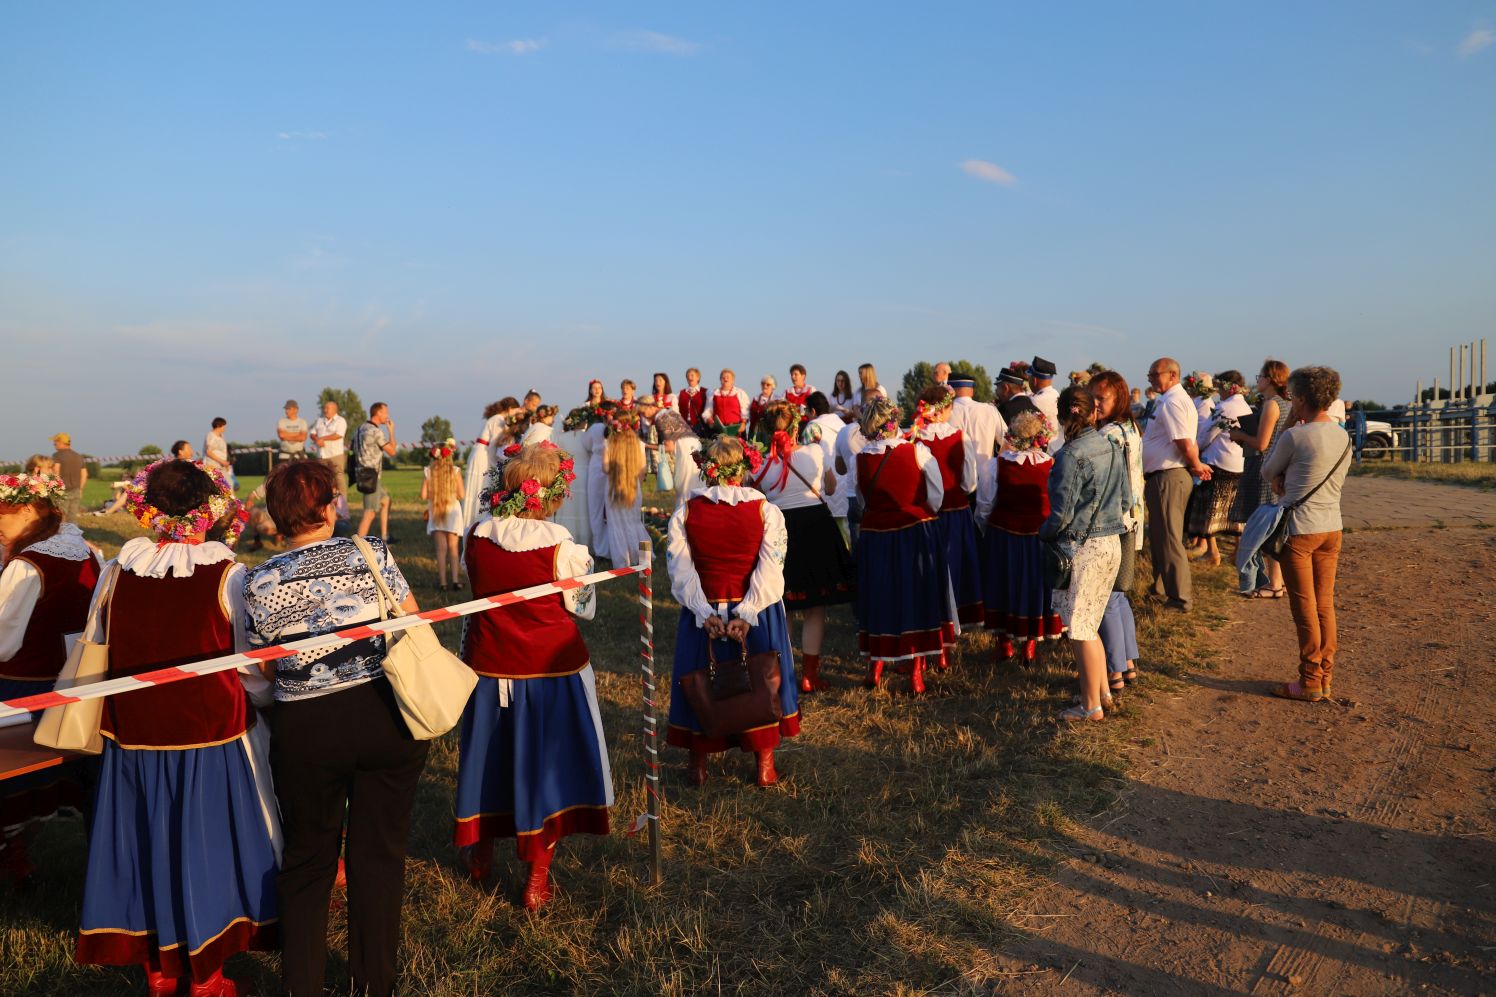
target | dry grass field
[
  {"x": 1471, "y": 474},
  {"x": 897, "y": 855}
]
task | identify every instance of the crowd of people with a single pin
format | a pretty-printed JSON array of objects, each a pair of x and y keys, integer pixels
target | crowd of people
[{"x": 225, "y": 808}]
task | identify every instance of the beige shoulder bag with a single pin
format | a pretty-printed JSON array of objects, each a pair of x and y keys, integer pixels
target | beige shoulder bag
[
  {"x": 75, "y": 726},
  {"x": 431, "y": 684}
]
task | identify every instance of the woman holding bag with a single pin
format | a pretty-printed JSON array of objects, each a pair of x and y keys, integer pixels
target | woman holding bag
[
  {"x": 45, "y": 589},
  {"x": 185, "y": 836},
  {"x": 726, "y": 549},
  {"x": 532, "y": 762},
  {"x": 1089, "y": 493},
  {"x": 339, "y": 740}
]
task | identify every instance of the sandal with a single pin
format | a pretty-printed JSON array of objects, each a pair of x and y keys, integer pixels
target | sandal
[
  {"x": 1107, "y": 702},
  {"x": 1117, "y": 682},
  {"x": 1078, "y": 713},
  {"x": 1296, "y": 690},
  {"x": 1130, "y": 676}
]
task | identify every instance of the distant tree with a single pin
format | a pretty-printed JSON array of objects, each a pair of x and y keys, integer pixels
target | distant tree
[
  {"x": 349, "y": 407},
  {"x": 433, "y": 431},
  {"x": 149, "y": 450},
  {"x": 922, "y": 375},
  {"x": 1367, "y": 405},
  {"x": 131, "y": 466}
]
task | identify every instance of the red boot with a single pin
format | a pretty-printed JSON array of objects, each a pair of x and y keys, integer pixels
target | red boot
[
  {"x": 478, "y": 858},
  {"x": 696, "y": 773},
  {"x": 810, "y": 680},
  {"x": 874, "y": 674},
  {"x": 944, "y": 663},
  {"x": 1005, "y": 649},
  {"x": 917, "y": 677},
  {"x": 766, "y": 774},
  {"x": 1030, "y": 650},
  {"x": 538, "y": 890},
  {"x": 217, "y": 985},
  {"x": 158, "y": 984}
]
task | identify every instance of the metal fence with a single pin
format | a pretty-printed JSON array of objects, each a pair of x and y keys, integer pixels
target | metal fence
[{"x": 1442, "y": 432}]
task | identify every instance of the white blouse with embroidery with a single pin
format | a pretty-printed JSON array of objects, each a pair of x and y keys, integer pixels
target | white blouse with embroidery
[
  {"x": 21, "y": 584},
  {"x": 572, "y": 559},
  {"x": 765, "y": 585},
  {"x": 934, "y": 484}
]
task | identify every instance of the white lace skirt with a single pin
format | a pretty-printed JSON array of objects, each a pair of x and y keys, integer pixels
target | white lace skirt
[{"x": 1092, "y": 574}]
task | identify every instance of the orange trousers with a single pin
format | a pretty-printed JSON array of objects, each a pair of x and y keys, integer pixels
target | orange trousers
[{"x": 1309, "y": 563}]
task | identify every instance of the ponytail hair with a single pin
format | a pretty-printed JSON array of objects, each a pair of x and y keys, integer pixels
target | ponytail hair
[{"x": 1077, "y": 410}]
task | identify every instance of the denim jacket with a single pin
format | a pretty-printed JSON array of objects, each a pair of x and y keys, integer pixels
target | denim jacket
[{"x": 1089, "y": 490}]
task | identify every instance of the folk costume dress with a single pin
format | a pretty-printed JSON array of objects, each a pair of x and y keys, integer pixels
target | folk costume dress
[
  {"x": 726, "y": 550},
  {"x": 691, "y": 403},
  {"x": 905, "y": 606},
  {"x": 818, "y": 569},
  {"x": 1013, "y": 501},
  {"x": 1209, "y": 511},
  {"x": 479, "y": 461},
  {"x": 182, "y": 858},
  {"x": 45, "y": 590},
  {"x": 594, "y": 441},
  {"x": 532, "y": 760},
  {"x": 574, "y": 514},
  {"x": 626, "y": 522},
  {"x": 799, "y": 396},
  {"x": 727, "y": 412},
  {"x": 957, "y": 459}
]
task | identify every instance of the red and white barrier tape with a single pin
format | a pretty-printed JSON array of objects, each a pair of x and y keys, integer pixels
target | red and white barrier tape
[{"x": 208, "y": 666}]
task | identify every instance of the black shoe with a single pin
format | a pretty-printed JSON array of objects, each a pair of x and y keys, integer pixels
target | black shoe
[{"x": 1177, "y": 605}]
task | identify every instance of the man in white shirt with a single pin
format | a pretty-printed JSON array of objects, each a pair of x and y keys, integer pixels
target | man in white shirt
[
  {"x": 979, "y": 422},
  {"x": 1170, "y": 458},
  {"x": 1047, "y": 398},
  {"x": 327, "y": 435}
]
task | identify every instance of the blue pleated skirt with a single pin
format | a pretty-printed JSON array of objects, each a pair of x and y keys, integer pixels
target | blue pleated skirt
[
  {"x": 1019, "y": 603},
  {"x": 771, "y": 634},
  {"x": 182, "y": 859},
  {"x": 905, "y": 604},
  {"x": 534, "y": 768},
  {"x": 958, "y": 533}
]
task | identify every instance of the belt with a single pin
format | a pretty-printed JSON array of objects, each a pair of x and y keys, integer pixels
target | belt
[{"x": 1165, "y": 470}]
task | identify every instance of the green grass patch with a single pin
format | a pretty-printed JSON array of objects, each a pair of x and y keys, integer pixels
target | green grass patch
[{"x": 1469, "y": 474}]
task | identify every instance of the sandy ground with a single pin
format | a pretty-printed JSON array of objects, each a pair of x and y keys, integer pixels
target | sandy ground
[{"x": 1266, "y": 846}]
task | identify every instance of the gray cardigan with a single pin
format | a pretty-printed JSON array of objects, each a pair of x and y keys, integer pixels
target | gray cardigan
[{"x": 1304, "y": 455}]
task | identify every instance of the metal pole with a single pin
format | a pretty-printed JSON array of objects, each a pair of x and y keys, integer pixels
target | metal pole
[
  {"x": 1473, "y": 392},
  {"x": 1457, "y": 385},
  {"x": 1451, "y": 374},
  {"x": 1483, "y": 381},
  {"x": 651, "y": 723}
]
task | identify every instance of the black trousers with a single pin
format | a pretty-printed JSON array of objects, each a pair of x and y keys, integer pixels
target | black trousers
[{"x": 344, "y": 750}]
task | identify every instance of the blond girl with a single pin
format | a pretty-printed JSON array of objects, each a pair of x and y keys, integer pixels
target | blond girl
[
  {"x": 623, "y": 464},
  {"x": 443, "y": 491}
]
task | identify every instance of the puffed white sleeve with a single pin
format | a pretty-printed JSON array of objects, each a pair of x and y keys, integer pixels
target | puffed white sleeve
[
  {"x": 685, "y": 584},
  {"x": 850, "y": 478},
  {"x": 20, "y": 588},
  {"x": 260, "y": 689},
  {"x": 572, "y": 559},
  {"x": 934, "y": 486},
  {"x": 986, "y": 490},
  {"x": 766, "y": 584}
]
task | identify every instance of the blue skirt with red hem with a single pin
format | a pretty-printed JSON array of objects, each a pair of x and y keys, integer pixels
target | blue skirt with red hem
[
  {"x": 771, "y": 634},
  {"x": 181, "y": 862},
  {"x": 532, "y": 763},
  {"x": 905, "y": 606},
  {"x": 1020, "y": 604},
  {"x": 958, "y": 532}
]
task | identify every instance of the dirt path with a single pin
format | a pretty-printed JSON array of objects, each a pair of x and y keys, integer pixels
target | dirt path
[{"x": 1265, "y": 846}]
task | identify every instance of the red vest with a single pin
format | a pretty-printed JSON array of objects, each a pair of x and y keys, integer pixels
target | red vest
[
  {"x": 798, "y": 397},
  {"x": 62, "y": 608},
  {"x": 755, "y": 413},
  {"x": 691, "y": 405},
  {"x": 528, "y": 639},
  {"x": 950, "y": 453},
  {"x": 159, "y": 622},
  {"x": 724, "y": 541},
  {"x": 1022, "y": 496},
  {"x": 728, "y": 409},
  {"x": 897, "y": 498}
]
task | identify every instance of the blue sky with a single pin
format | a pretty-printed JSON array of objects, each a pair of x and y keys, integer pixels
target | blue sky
[{"x": 208, "y": 209}]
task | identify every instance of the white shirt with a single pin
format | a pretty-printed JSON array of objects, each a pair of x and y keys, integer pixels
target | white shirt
[
  {"x": 216, "y": 448},
  {"x": 21, "y": 586},
  {"x": 981, "y": 423},
  {"x": 1047, "y": 400},
  {"x": 710, "y": 413},
  {"x": 1174, "y": 418},
  {"x": 783, "y": 393},
  {"x": 572, "y": 559},
  {"x": 336, "y": 426},
  {"x": 987, "y": 479},
  {"x": 1217, "y": 448},
  {"x": 765, "y": 585},
  {"x": 939, "y": 431},
  {"x": 934, "y": 483},
  {"x": 810, "y": 461},
  {"x": 849, "y": 443},
  {"x": 831, "y": 427},
  {"x": 538, "y": 432}
]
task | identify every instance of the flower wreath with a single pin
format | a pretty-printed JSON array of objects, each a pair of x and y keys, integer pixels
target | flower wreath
[
  {"x": 1230, "y": 389},
  {"x": 531, "y": 495},
  {"x": 178, "y": 528},
  {"x": 889, "y": 431},
  {"x": 714, "y": 472},
  {"x": 585, "y": 416},
  {"x": 446, "y": 449},
  {"x": 924, "y": 411},
  {"x": 28, "y": 489},
  {"x": 1039, "y": 441},
  {"x": 1199, "y": 384},
  {"x": 623, "y": 421}
]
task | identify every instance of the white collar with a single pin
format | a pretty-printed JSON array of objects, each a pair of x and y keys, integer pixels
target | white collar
[
  {"x": 141, "y": 556},
  {"x": 937, "y": 430},
  {"x": 67, "y": 543},
  {"x": 730, "y": 494},
  {"x": 878, "y": 446},
  {"x": 1026, "y": 456},
  {"x": 518, "y": 535}
]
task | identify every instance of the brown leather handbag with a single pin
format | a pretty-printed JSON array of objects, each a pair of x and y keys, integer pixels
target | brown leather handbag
[{"x": 729, "y": 697}]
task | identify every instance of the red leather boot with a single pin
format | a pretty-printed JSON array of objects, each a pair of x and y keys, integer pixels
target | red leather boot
[
  {"x": 810, "y": 679},
  {"x": 216, "y": 985},
  {"x": 766, "y": 774},
  {"x": 917, "y": 676},
  {"x": 1030, "y": 650},
  {"x": 874, "y": 674},
  {"x": 538, "y": 889},
  {"x": 696, "y": 773},
  {"x": 158, "y": 984},
  {"x": 478, "y": 858}
]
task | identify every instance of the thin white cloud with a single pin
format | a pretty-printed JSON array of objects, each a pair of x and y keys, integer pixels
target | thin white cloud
[
  {"x": 514, "y": 46},
  {"x": 301, "y": 136},
  {"x": 640, "y": 40},
  {"x": 990, "y": 172},
  {"x": 1475, "y": 41}
]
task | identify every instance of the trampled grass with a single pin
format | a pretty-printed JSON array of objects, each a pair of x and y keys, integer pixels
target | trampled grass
[{"x": 894, "y": 857}]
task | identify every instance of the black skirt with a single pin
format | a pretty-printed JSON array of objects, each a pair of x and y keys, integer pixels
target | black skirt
[
  {"x": 818, "y": 568},
  {"x": 1209, "y": 510}
]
